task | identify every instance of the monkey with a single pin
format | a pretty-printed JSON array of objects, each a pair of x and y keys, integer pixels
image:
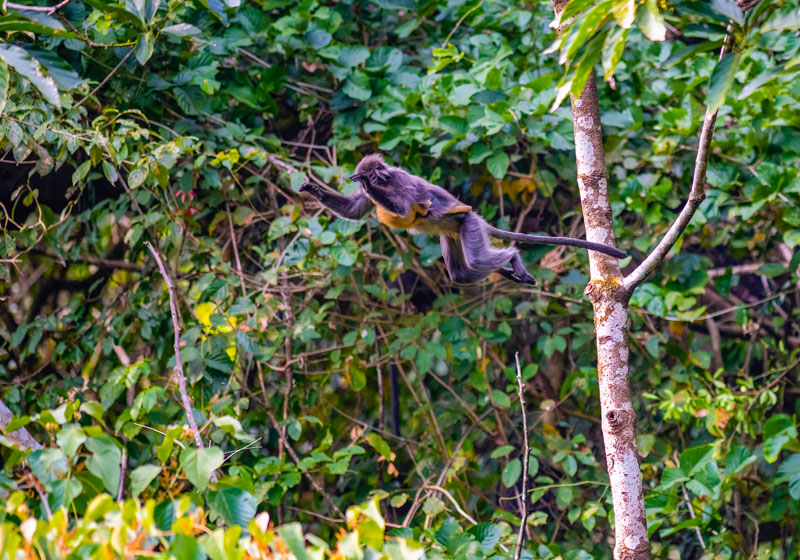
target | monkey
[{"x": 405, "y": 201}]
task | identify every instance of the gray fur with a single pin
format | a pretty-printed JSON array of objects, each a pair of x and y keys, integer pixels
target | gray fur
[{"x": 464, "y": 236}]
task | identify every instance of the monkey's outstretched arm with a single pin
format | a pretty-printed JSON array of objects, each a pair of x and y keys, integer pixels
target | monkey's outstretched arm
[
  {"x": 349, "y": 207},
  {"x": 395, "y": 205},
  {"x": 546, "y": 240}
]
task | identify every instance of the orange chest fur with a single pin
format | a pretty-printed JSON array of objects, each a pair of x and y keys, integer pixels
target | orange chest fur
[{"x": 415, "y": 216}]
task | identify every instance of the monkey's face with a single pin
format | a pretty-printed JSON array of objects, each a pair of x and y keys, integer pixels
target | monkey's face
[{"x": 372, "y": 168}]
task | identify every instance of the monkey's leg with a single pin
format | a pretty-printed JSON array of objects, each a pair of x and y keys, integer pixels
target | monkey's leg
[
  {"x": 458, "y": 270},
  {"x": 349, "y": 207},
  {"x": 521, "y": 272},
  {"x": 479, "y": 254}
]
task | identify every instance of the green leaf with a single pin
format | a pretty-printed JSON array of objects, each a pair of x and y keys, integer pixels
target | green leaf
[
  {"x": 502, "y": 451},
  {"x": 721, "y": 80},
  {"x": 650, "y": 21},
  {"x": 292, "y": 535},
  {"x": 141, "y": 477},
  {"x": 353, "y": 56},
  {"x": 624, "y": 12},
  {"x": 4, "y": 78},
  {"x": 779, "y": 430},
  {"x": 380, "y": 445},
  {"x": 185, "y": 547},
  {"x": 317, "y": 38},
  {"x": 500, "y": 398},
  {"x": 498, "y": 164},
  {"x": 105, "y": 462},
  {"x": 511, "y": 473},
  {"x": 70, "y": 438},
  {"x": 200, "y": 463},
  {"x": 234, "y": 505},
  {"x": 729, "y": 9},
  {"x": 357, "y": 87},
  {"x": 144, "y": 47},
  {"x": 24, "y": 64},
  {"x": 137, "y": 177},
  {"x": 181, "y": 30},
  {"x": 613, "y": 46},
  {"x": 789, "y": 471}
]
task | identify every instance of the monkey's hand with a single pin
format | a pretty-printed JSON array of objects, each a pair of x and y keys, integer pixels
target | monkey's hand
[{"x": 311, "y": 189}]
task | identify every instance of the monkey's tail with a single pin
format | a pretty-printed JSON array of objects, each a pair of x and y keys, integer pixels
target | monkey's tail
[{"x": 546, "y": 240}]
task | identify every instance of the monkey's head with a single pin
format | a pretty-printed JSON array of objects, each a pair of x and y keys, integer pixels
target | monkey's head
[{"x": 372, "y": 168}]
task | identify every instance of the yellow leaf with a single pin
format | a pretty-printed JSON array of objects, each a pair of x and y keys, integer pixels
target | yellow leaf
[{"x": 203, "y": 312}]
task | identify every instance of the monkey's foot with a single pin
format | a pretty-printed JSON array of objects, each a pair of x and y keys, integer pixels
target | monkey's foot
[{"x": 523, "y": 278}]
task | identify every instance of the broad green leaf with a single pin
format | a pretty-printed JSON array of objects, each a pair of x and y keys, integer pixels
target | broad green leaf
[
  {"x": 200, "y": 463},
  {"x": 380, "y": 445},
  {"x": 498, "y": 164},
  {"x": 105, "y": 462},
  {"x": 721, "y": 81},
  {"x": 23, "y": 63},
  {"x": 650, "y": 21},
  {"x": 292, "y": 535},
  {"x": 502, "y": 451},
  {"x": 729, "y": 9},
  {"x": 141, "y": 477},
  {"x": 69, "y": 438},
  {"x": 357, "y": 87},
  {"x": 181, "y": 30},
  {"x": 511, "y": 473},
  {"x": 779, "y": 430},
  {"x": 351, "y": 56},
  {"x": 137, "y": 177},
  {"x": 613, "y": 46},
  {"x": 624, "y": 12},
  {"x": 783, "y": 19},
  {"x": 789, "y": 471},
  {"x": 144, "y": 47},
  {"x": 234, "y": 505}
]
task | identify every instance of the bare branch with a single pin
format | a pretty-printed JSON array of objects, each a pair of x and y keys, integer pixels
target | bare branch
[
  {"x": 21, "y": 437},
  {"x": 173, "y": 307},
  {"x": 49, "y": 10},
  {"x": 696, "y": 196}
]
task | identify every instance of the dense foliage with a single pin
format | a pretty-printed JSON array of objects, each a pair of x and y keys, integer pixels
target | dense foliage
[{"x": 191, "y": 125}]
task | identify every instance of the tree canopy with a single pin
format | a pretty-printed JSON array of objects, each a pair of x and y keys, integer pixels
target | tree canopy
[{"x": 190, "y": 126}]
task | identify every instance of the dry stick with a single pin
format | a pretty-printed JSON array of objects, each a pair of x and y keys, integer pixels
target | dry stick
[
  {"x": 173, "y": 307},
  {"x": 696, "y": 195},
  {"x": 310, "y": 478},
  {"x": 525, "y": 459}
]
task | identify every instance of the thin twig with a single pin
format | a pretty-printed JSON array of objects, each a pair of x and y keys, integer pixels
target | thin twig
[
  {"x": 173, "y": 307},
  {"x": 20, "y": 437},
  {"x": 101, "y": 84},
  {"x": 123, "y": 463},
  {"x": 236, "y": 250},
  {"x": 49, "y": 10},
  {"x": 691, "y": 513},
  {"x": 180, "y": 443},
  {"x": 450, "y": 497},
  {"x": 525, "y": 458}
]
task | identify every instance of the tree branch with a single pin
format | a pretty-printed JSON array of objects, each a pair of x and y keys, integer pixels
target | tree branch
[
  {"x": 21, "y": 437},
  {"x": 696, "y": 195},
  {"x": 49, "y": 10},
  {"x": 173, "y": 307}
]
